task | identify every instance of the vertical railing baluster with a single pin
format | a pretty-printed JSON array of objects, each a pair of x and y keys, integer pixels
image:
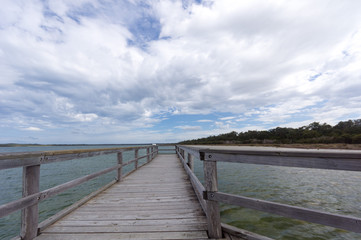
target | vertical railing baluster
[
  {"x": 120, "y": 163},
  {"x": 211, "y": 185},
  {"x": 30, "y": 215}
]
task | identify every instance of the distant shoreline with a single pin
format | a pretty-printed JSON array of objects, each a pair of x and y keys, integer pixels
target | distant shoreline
[
  {"x": 45, "y": 145},
  {"x": 293, "y": 145},
  {"x": 297, "y": 145},
  {"x": 80, "y": 144}
]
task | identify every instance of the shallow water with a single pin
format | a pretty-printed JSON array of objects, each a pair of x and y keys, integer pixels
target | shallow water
[{"x": 327, "y": 190}]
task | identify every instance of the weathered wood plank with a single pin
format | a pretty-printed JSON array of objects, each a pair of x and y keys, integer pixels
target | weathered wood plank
[
  {"x": 120, "y": 164},
  {"x": 142, "y": 206},
  {"x": 29, "y": 215},
  {"x": 12, "y": 160},
  {"x": 145, "y": 216},
  {"x": 213, "y": 214},
  {"x": 136, "y": 222},
  {"x": 126, "y": 212},
  {"x": 196, "y": 235},
  {"x": 126, "y": 229},
  {"x": 287, "y": 161}
]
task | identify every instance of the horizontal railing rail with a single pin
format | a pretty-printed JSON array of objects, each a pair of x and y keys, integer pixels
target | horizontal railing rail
[
  {"x": 321, "y": 159},
  {"x": 31, "y": 162}
]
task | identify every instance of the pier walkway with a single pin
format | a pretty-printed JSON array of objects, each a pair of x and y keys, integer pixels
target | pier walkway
[
  {"x": 155, "y": 202},
  {"x": 162, "y": 198}
]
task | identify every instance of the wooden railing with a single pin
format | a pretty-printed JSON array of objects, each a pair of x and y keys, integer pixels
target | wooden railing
[
  {"x": 31, "y": 162},
  {"x": 209, "y": 196}
]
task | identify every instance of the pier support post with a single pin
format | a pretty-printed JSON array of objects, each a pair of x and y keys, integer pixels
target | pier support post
[
  {"x": 211, "y": 185},
  {"x": 30, "y": 215},
  {"x": 148, "y": 157},
  {"x": 136, "y": 154},
  {"x": 190, "y": 162},
  {"x": 120, "y": 162}
]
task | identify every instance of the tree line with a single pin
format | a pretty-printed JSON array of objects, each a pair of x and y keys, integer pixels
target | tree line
[{"x": 348, "y": 132}]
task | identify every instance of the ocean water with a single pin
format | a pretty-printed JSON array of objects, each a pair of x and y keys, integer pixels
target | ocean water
[{"x": 327, "y": 190}]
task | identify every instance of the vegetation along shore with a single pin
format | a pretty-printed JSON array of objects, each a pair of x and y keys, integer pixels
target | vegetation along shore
[{"x": 344, "y": 135}]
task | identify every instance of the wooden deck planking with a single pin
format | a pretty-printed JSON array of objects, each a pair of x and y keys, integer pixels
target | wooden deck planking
[{"x": 155, "y": 202}]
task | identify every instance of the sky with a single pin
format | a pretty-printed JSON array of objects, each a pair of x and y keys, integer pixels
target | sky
[{"x": 138, "y": 71}]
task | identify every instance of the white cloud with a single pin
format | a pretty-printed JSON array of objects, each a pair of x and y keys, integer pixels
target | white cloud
[
  {"x": 227, "y": 118},
  {"x": 204, "y": 120},
  {"x": 83, "y": 65},
  {"x": 32, "y": 129},
  {"x": 189, "y": 128}
]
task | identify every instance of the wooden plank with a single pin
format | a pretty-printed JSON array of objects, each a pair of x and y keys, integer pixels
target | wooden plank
[
  {"x": 136, "y": 153},
  {"x": 133, "y": 211},
  {"x": 191, "y": 150},
  {"x": 350, "y": 164},
  {"x": 145, "y": 190},
  {"x": 30, "y": 215},
  {"x": 148, "y": 155},
  {"x": 334, "y": 220},
  {"x": 126, "y": 229},
  {"x": 136, "y": 222},
  {"x": 190, "y": 162},
  {"x": 145, "y": 206},
  {"x": 213, "y": 214},
  {"x": 140, "y": 216},
  {"x": 285, "y": 152},
  {"x": 120, "y": 165},
  {"x": 149, "y": 200},
  {"x": 12, "y": 160},
  {"x": 196, "y": 235}
]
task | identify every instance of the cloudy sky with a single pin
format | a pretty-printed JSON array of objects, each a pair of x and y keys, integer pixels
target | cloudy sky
[{"x": 138, "y": 71}]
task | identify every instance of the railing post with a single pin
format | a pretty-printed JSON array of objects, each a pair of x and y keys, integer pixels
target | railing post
[
  {"x": 120, "y": 162},
  {"x": 148, "y": 157},
  {"x": 30, "y": 215},
  {"x": 136, "y": 154},
  {"x": 211, "y": 185},
  {"x": 190, "y": 162}
]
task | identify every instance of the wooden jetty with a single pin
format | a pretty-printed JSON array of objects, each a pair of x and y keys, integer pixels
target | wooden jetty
[
  {"x": 162, "y": 198},
  {"x": 155, "y": 202}
]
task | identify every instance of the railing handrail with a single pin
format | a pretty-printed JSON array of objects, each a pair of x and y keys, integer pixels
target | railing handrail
[
  {"x": 321, "y": 159},
  {"x": 22, "y": 159},
  {"x": 31, "y": 162},
  {"x": 348, "y": 160}
]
